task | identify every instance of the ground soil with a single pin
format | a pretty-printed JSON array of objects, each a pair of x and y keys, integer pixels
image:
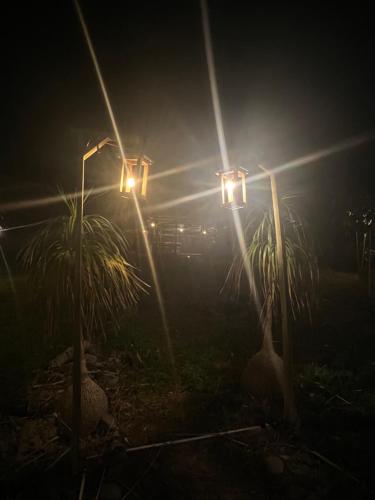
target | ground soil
[{"x": 329, "y": 456}]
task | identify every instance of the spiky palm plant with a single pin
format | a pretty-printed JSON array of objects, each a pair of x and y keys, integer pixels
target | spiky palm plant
[
  {"x": 264, "y": 375},
  {"x": 301, "y": 264},
  {"x": 109, "y": 282}
]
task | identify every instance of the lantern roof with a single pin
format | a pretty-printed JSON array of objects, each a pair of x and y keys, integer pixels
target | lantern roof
[{"x": 232, "y": 171}]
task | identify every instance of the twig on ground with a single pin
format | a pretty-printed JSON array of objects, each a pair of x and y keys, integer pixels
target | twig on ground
[
  {"x": 67, "y": 427},
  {"x": 142, "y": 476},
  {"x": 82, "y": 488},
  {"x": 100, "y": 484},
  {"x": 326, "y": 461},
  {"x": 256, "y": 429},
  {"x": 236, "y": 441},
  {"x": 334, "y": 465},
  {"x": 48, "y": 384},
  {"x": 62, "y": 455},
  {"x": 337, "y": 396}
]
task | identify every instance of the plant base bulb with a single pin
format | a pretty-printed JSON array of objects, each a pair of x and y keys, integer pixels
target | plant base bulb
[{"x": 94, "y": 404}]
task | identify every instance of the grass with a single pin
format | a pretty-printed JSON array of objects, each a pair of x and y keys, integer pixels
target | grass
[
  {"x": 204, "y": 362},
  {"x": 24, "y": 348},
  {"x": 212, "y": 343}
]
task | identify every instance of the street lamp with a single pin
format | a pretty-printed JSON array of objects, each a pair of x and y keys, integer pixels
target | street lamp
[
  {"x": 289, "y": 404},
  {"x": 134, "y": 175},
  {"x": 233, "y": 191},
  {"x": 233, "y": 187},
  {"x": 77, "y": 349}
]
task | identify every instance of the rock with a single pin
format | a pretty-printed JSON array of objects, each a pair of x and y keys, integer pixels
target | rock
[
  {"x": 91, "y": 360},
  {"x": 110, "y": 491},
  {"x": 275, "y": 464},
  {"x": 106, "y": 424},
  {"x": 110, "y": 378},
  {"x": 67, "y": 355},
  {"x": 116, "y": 453},
  {"x": 262, "y": 376}
]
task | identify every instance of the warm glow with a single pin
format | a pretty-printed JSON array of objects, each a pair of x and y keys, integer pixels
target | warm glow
[
  {"x": 130, "y": 182},
  {"x": 152, "y": 224},
  {"x": 204, "y": 231},
  {"x": 229, "y": 185},
  {"x": 181, "y": 229},
  {"x": 134, "y": 176},
  {"x": 233, "y": 187}
]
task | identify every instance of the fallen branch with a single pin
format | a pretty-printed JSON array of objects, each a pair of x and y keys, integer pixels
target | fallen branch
[
  {"x": 48, "y": 384},
  {"x": 334, "y": 465},
  {"x": 325, "y": 460},
  {"x": 100, "y": 485},
  {"x": 82, "y": 488},
  {"x": 62, "y": 455},
  {"x": 255, "y": 429}
]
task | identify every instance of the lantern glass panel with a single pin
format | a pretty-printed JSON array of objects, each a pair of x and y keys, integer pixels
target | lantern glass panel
[
  {"x": 233, "y": 187},
  {"x": 134, "y": 177}
]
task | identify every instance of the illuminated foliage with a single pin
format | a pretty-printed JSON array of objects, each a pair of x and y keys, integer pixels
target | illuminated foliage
[
  {"x": 301, "y": 263},
  {"x": 109, "y": 282}
]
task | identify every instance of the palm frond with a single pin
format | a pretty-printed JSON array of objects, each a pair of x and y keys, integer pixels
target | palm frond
[
  {"x": 301, "y": 264},
  {"x": 110, "y": 283}
]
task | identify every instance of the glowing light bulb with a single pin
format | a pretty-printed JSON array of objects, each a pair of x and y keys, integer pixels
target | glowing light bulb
[
  {"x": 204, "y": 231},
  {"x": 130, "y": 182},
  {"x": 181, "y": 229},
  {"x": 229, "y": 185},
  {"x": 152, "y": 224}
]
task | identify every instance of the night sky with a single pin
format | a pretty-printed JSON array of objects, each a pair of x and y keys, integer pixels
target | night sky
[{"x": 291, "y": 80}]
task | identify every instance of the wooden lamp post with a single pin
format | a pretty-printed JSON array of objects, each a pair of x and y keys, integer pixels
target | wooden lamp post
[
  {"x": 233, "y": 193},
  {"x": 289, "y": 402},
  {"x": 134, "y": 176}
]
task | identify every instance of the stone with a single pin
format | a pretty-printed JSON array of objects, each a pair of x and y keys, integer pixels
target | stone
[
  {"x": 110, "y": 491},
  {"x": 110, "y": 378},
  {"x": 275, "y": 464},
  {"x": 91, "y": 360},
  {"x": 67, "y": 355},
  {"x": 106, "y": 424}
]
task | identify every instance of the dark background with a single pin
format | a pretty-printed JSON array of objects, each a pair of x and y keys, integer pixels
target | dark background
[{"x": 291, "y": 79}]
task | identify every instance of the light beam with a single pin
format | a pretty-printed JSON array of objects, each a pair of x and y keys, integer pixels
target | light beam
[
  {"x": 223, "y": 147},
  {"x": 138, "y": 210}
]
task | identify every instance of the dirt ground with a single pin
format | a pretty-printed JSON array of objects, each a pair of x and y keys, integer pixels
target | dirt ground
[{"x": 330, "y": 456}]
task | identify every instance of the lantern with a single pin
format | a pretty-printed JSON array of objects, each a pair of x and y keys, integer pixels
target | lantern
[
  {"x": 134, "y": 176},
  {"x": 233, "y": 187}
]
